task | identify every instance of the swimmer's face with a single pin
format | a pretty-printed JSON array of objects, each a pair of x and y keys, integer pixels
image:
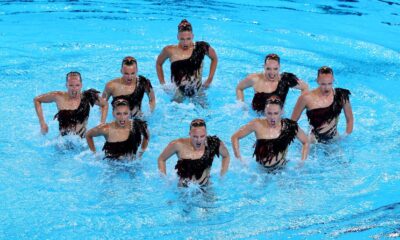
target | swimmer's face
[
  {"x": 325, "y": 82},
  {"x": 198, "y": 136},
  {"x": 273, "y": 113},
  {"x": 271, "y": 68},
  {"x": 74, "y": 85},
  {"x": 121, "y": 115},
  {"x": 185, "y": 39},
  {"x": 129, "y": 73}
]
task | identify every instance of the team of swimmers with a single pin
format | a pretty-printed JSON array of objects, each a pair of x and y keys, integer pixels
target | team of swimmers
[{"x": 127, "y": 136}]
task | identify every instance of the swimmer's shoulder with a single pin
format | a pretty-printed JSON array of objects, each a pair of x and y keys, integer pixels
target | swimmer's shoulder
[
  {"x": 169, "y": 49},
  {"x": 308, "y": 96},
  {"x": 177, "y": 144},
  {"x": 112, "y": 84},
  {"x": 253, "y": 78},
  {"x": 256, "y": 123}
]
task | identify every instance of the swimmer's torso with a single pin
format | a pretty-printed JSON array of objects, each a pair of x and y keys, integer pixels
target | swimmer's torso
[
  {"x": 73, "y": 113},
  {"x": 265, "y": 89},
  {"x": 323, "y": 113},
  {"x": 186, "y": 68},
  {"x": 195, "y": 166},
  {"x": 122, "y": 143},
  {"x": 272, "y": 143},
  {"x": 133, "y": 92}
]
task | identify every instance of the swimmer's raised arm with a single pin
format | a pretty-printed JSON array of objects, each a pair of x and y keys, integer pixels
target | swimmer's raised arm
[
  {"x": 245, "y": 83},
  {"x": 101, "y": 130},
  {"x": 241, "y": 133},
  {"x": 213, "y": 66},
  {"x": 107, "y": 92},
  {"x": 301, "y": 85},
  {"x": 103, "y": 104},
  {"x": 225, "y": 158},
  {"x": 299, "y": 107},
  {"x": 164, "y": 55},
  {"x": 171, "y": 149},
  {"x": 304, "y": 140},
  {"x": 152, "y": 98},
  {"x": 144, "y": 143},
  {"x": 44, "y": 98},
  {"x": 348, "y": 113}
]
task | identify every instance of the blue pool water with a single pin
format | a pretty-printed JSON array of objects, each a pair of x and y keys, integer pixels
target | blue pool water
[{"x": 345, "y": 190}]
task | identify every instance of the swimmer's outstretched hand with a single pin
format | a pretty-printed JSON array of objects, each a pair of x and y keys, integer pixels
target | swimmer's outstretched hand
[
  {"x": 140, "y": 154},
  {"x": 206, "y": 84},
  {"x": 303, "y": 86},
  {"x": 44, "y": 128},
  {"x": 343, "y": 136},
  {"x": 97, "y": 155},
  {"x": 244, "y": 162},
  {"x": 301, "y": 164},
  {"x": 242, "y": 105}
]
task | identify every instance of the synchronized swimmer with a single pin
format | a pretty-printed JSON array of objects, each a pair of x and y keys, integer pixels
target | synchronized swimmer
[{"x": 127, "y": 136}]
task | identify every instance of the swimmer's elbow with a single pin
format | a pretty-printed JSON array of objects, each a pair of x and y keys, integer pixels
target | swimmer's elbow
[{"x": 36, "y": 100}]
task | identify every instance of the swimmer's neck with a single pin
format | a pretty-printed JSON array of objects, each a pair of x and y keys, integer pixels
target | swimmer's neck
[
  {"x": 267, "y": 79},
  {"x": 323, "y": 94},
  {"x": 190, "y": 46},
  {"x": 276, "y": 125},
  {"x": 194, "y": 149},
  {"x": 76, "y": 97},
  {"x": 124, "y": 82},
  {"x": 118, "y": 126}
]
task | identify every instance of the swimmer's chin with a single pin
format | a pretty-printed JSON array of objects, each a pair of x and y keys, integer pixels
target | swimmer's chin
[
  {"x": 271, "y": 76},
  {"x": 198, "y": 146}
]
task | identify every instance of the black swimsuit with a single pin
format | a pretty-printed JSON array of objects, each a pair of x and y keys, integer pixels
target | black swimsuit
[
  {"x": 68, "y": 119},
  {"x": 135, "y": 98},
  {"x": 186, "y": 73},
  {"x": 268, "y": 150},
  {"x": 288, "y": 80},
  {"x": 127, "y": 148},
  {"x": 187, "y": 168},
  {"x": 319, "y": 116}
]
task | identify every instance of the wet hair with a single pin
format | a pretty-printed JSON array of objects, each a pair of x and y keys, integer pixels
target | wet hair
[
  {"x": 128, "y": 61},
  {"x": 73, "y": 74},
  {"x": 272, "y": 56},
  {"x": 325, "y": 70},
  {"x": 185, "y": 25},
  {"x": 198, "y": 123},
  {"x": 274, "y": 99},
  {"x": 120, "y": 102}
]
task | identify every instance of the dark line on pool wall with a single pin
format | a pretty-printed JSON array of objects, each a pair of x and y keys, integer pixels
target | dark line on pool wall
[
  {"x": 389, "y": 2},
  {"x": 349, "y": 1},
  {"x": 391, "y": 24},
  {"x": 331, "y": 10}
]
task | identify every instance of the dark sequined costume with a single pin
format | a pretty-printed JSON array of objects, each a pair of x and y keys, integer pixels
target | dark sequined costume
[
  {"x": 268, "y": 151},
  {"x": 186, "y": 73},
  {"x": 129, "y": 147},
  {"x": 320, "y": 116},
  {"x": 187, "y": 168},
  {"x": 288, "y": 80},
  {"x": 68, "y": 119},
  {"x": 135, "y": 98}
]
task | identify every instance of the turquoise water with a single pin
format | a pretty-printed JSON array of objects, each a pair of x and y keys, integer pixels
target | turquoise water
[{"x": 345, "y": 190}]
